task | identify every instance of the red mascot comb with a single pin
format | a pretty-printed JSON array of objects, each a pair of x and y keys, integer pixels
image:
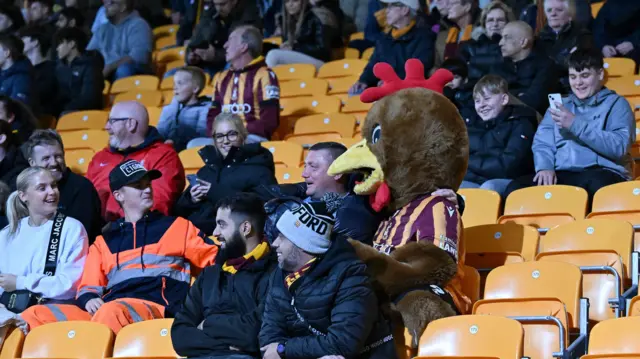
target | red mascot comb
[{"x": 414, "y": 78}]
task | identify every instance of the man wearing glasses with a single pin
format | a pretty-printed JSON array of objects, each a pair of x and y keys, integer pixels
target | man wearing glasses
[{"x": 131, "y": 137}]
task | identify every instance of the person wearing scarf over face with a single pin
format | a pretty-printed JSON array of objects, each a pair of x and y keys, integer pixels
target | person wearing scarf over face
[
  {"x": 321, "y": 302},
  {"x": 222, "y": 314}
]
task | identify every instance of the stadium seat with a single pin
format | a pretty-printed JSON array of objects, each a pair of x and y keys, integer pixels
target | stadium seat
[
  {"x": 620, "y": 201},
  {"x": 615, "y": 337},
  {"x": 82, "y": 120},
  {"x": 86, "y": 139},
  {"x": 481, "y": 206},
  {"x": 471, "y": 283},
  {"x": 366, "y": 55},
  {"x": 489, "y": 246},
  {"x": 356, "y": 36},
  {"x": 341, "y": 85},
  {"x": 73, "y": 339},
  {"x": 191, "y": 159},
  {"x": 546, "y": 298},
  {"x": 308, "y": 140},
  {"x": 619, "y": 66},
  {"x": 335, "y": 122},
  {"x": 147, "y": 339},
  {"x": 632, "y": 311},
  {"x": 284, "y": 152},
  {"x": 351, "y": 53},
  {"x": 595, "y": 8},
  {"x": 602, "y": 250},
  {"x": 173, "y": 64},
  {"x": 472, "y": 336},
  {"x": 167, "y": 97},
  {"x": 303, "y": 87},
  {"x": 289, "y": 175},
  {"x": 145, "y": 97},
  {"x": 172, "y": 54},
  {"x": 78, "y": 160},
  {"x": 106, "y": 88},
  {"x": 357, "y": 108},
  {"x": 154, "y": 115},
  {"x": 166, "y": 83},
  {"x": 545, "y": 207},
  {"x": 135, "y": 83},
  {"x": 309, "y": 105},
  {"x": 276, "y": 40},
  {"x": 341, "y": 68},
  {"x": 12, "y": 342},
  {"x": 165, "y": 30},
  {"x": 164, "y": 41},
  {"x": 348, "y": 142},
  {"x": 294, "y": 72},
  {"x": 628, "y": 85}
]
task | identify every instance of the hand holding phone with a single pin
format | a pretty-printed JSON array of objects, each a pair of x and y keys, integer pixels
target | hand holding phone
[
  {"x": 193, "y": 180},
  {"x": 553, "y": 99}
]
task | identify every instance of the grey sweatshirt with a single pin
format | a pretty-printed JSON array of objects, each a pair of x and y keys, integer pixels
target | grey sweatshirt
[{"x": 132, "y": 37}]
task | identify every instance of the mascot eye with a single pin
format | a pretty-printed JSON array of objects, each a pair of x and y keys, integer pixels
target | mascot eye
[{"x": 375, "y": 135}]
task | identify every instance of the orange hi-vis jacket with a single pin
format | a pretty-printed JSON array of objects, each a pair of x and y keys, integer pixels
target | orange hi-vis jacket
[{"x": 152, "y": 259}]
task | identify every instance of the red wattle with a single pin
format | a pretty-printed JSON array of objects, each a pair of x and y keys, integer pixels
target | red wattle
[{"x": 381, "y": 198}]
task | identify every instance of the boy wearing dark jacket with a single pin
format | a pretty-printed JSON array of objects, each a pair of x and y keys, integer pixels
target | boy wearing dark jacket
[
  {"x": 16, "y": 72},
  {"x": 500, "y": 137},
  {"x": 222, "y": 314}
]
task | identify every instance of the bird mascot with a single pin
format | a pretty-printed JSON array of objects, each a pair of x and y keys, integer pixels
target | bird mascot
[{"x": 414, "y": 142}]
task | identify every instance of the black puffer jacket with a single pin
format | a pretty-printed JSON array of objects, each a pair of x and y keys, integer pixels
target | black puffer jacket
[
  {"x": 11, "y": 165},
  {"x": 314, "y": 38},
  {"x": 243, "y": 170},
  {"x": 80, "y": 83},
  {"x": 334, "y": 297},
  {"x": 500, "y": 148},
  {"x": 481, "y": 55},
  {"x": 230, "y": 306}
]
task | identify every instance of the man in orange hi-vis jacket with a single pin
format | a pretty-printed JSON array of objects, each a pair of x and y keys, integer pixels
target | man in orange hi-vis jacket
[{"x": 141, "y": 266}]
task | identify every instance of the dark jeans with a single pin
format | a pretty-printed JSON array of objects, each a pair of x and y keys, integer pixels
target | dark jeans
[{"x": 591, "y": 180}]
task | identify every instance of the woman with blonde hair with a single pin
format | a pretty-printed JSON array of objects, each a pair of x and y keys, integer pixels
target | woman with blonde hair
[
  {"x": 231, "y": 165},
  {"x": 42, "y": 251}
]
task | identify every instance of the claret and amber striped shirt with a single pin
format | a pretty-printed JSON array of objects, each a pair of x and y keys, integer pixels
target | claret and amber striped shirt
[{"x": 252, "y": 93}]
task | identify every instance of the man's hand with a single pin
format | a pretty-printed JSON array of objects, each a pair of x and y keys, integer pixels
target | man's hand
[
  {"x": 562, "y": 117},
  {"x": 200, "y": 190},
  {"x": 609, "y": 51},
  {"x": 545, "y": 178},
  {"x": 8, "y": 282},
  {"x": 625, "y": 47},
  {"x": 207, "y": 55},
  {"x": 448, "y": 194},
  {"x": 357, "y": 88},
  {"x": 270, "y": 351},
  {"x": 93, "y": 305}
]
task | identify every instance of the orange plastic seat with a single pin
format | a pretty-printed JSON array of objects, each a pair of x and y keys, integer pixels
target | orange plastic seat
[
  {"x": 166, "y": 83},
  {"x": 472, "y": 336},
  {"x": 82, "y": 120},
  {"x": 165, "y": 30},
  {"x": 12, "y": 342},
  {"x": 615, "y": 338},
  {"x": 303, "y": 87},
  {"x": 341, "y": 68},
  {"x": 481, "y": 206},
  {"x": 471, "y": 283},
  {"x": 78, "y": 160},
  {"x": 86, "y": 139},
  {"x": 354, "y": 105},
  {"x": 545, "y": 207},
  {"x": 106, "y": 88},
  {"x": 366, "y": 55},
  {"x": 595, "y": 8},
  {"x": 294, "y": 72},
  {"x": 593, "y": 243},
  {"x": 348, "y": 142},
  {"x": 619, "y": 66},
  {"x": 340, "y": 123},
  {"x": 308, "y": 140},
  {"x": 164, "y": 41},
  {"x": 619, "y": 201},
  {"x": 73, "y": 339},
  {"x": 276, "y": 40},
  {"x": 289, "y": 175},
  {"x": 173, "y": 65},
  {"x": 492, "y": 245},
  {"x": 351, "y": 53},
  {"x": 309, "y": 105},
  {"x": 167, "y": 97},
  {"x": 172, "y": 54},
  {"x": 191, "y": 159},
  {"x": 634, "y": 307},
  {"x": 627, "y": 85},
  {"x": 285, "y": 152},
  {"x": 135, "y": 83},
  {"x": 341, "y": 85},
  {"x": 146, "y": 339},
  {"x": 145, "y": 97},
  {"x": 356, "y": 36},
  {"x": 154, "y": 115}
]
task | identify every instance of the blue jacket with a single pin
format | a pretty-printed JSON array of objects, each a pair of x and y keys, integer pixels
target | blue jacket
[
  {"x": 182, "y": 123},
  {"x": 17, "y": 82}
]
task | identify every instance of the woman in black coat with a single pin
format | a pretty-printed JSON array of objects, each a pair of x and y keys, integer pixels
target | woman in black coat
[{"x": 230, "y": 166}]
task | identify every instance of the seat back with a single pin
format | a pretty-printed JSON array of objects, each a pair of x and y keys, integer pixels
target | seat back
[
  {"x": 334, "y": 122},
  {"x": 473, "y": 335},
  {"x": 12, "y": 342},
  {"x": 149, "y": 338},
  {"x": 191, "y": 159},
  {"x": 619, "y": 201},
  {"x": 135, "y": 83},
  {"x": 73, "y": 339},
  {"x": 634, "y": 306},
  {"x": 288, "y": 153},
  {"x": 154, "y": 115},
  {"x": 615, "y": 336},
  {"x": 78, "y": 160},
  {"x": 82, "y": 120},
  {"x": 493, "y": 245},
  {"x": 309, "y": 105},
  {"x": 538, "y": 280},
  {"x": 628, "y": 85},
  {"x": 545, "y": 206},
  {"x": 172, "y": 54},
  {"x": 289, "y": 175},
  {"x": 165, "y": 30},
  {"x": 86, "y": 139},
  {"x": 618, "y": 66},
  {"x": 145, "y": 97},
  {"x": 541, "y": 338},
  {"x": 340, "y": 68},
  {"x": 471, "y": 283},
  {"x": 307, "y": 140},
  {"x": 366, "y": 54},
  {"x": 481, "y": 206},
  {"x": 341, "y": 85},
  {"x": 294, "y": 72},
  {"x": 303, "y": 87}
]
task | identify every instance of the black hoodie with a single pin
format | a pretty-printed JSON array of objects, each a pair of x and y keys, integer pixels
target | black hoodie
[
  {"x": 11, "y": 165},
  {"x": 17, "y": 82},
  {"x": 80, "y": 83},
  {"x": 243, "y": 170}
]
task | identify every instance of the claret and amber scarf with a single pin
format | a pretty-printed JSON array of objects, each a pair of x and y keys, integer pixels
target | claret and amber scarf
[{"x": 235, "y": 264}]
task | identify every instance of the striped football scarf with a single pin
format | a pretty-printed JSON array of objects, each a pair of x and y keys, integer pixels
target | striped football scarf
[
  {"x": 293, "y": 277},
  {"x": 235, "y": 264},
  {"x": 454, "y": 40}
]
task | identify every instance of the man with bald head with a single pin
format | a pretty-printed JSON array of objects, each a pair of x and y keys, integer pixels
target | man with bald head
[
  {"x": 131, "y": 137},
  {"x": 531, "y": 77}
]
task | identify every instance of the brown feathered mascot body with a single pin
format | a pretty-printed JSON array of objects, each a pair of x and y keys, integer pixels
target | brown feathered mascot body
[{"x": 415, "y": 142}]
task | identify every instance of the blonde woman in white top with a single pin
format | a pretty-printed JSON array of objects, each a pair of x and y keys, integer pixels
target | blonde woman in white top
[{"x": 30, "y": 240}]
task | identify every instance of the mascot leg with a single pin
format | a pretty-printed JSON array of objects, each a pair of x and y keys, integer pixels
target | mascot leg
[{"x": 427, "y": 306}]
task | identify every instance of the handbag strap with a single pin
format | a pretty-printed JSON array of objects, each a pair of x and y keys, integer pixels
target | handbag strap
[{"x": 53, "y": 248}]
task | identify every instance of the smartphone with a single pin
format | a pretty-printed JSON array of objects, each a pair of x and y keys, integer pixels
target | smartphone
[
  {"x": 553, "y": 98},
  {"x": 193, "y": 180}
]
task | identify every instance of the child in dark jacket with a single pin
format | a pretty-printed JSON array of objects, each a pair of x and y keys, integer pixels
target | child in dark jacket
[
  {"x": 16, "y": 72},
  {"x": 500, "y": 137}
]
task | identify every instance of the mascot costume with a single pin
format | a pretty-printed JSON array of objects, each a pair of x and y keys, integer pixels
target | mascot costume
[{"x": 414, "y": 142}]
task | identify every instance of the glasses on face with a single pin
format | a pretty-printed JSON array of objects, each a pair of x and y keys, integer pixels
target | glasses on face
[
  {"x": 113, "y": 120},
  {"x": 231, "y": 136},
  {"x": 395, "y": 4}
]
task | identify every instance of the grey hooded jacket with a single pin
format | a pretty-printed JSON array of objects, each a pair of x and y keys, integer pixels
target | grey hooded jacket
[{"x": 600, "y": 136}]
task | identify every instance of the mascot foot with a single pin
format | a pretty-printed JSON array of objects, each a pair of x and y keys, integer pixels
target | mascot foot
[{"x": 419, "y": 308}]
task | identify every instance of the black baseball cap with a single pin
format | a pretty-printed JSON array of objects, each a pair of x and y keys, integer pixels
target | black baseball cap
[{"x": 130, "y": 171}]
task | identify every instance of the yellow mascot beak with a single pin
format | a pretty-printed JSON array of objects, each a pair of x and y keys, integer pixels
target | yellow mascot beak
[{"x": 359, "y": 158}]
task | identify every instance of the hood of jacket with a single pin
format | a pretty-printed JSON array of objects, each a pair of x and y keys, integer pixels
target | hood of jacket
[
  {"x": 593, "y": 101},
  {"x": 252, "y": 154},
  {"x": 339, "y": 251},
  {"x": 21, "y": 66},
  {"x": 152, "y": 137},
  {"x": 509, "y": 113}
]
